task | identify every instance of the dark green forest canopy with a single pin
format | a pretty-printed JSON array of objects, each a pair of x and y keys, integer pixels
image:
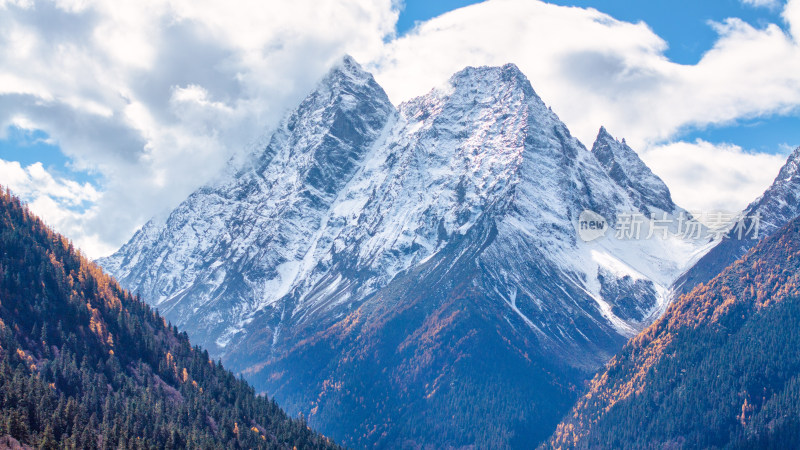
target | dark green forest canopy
[{"x": 84, "y": 364}]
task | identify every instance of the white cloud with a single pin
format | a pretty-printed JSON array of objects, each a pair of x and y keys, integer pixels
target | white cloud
[
  {"x": 33, "y": 180},
  {"x": 762, "y": 3},
  {"x": 156, "y": 94},
  {"x": 63, "y": 204},
  {"x": 708, "y": 178},
  {"x": 791, "y": 15}
]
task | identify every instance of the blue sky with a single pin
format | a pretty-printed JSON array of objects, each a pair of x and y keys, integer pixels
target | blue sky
[
  {"x": 110, "y": 116},
  {"x": 31, "y": 146}
]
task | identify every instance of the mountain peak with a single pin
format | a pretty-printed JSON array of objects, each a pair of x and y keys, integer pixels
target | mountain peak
[
  {"x": 348, "y": 64},
  {"x": 778, "y": 205},
  {"x": 347, "y": 87},
  {"x": 625, "y": 167},
  {"x": 348, "y": 72},
  {"x": 489, "y": 78},
  {"x": 509, "y": 69},
  {"x": 790, "y": 169},
  {"x": 603, "y": 134},
  {"x": 348, "y": 60}
]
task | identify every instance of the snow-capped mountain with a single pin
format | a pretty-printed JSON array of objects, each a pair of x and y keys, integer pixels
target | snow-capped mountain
[
  {"x": 779, "y": 204},
  {"x": 369, "y": 257},
  {"x": 236, "y": 245}
]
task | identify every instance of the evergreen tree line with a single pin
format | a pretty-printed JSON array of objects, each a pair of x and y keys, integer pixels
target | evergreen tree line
[{"x": 85, "y": 364}]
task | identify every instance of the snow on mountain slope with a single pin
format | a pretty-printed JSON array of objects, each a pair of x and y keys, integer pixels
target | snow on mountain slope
[
  {"x": 451, "y": 217},
  {"x": 464, "y": 235},
  {"x": 779, "y": 204},
  {"x": 234, "y": 246},
  {"x": 329, "y": 189}
]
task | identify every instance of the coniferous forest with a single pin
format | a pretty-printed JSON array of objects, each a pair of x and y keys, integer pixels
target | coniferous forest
[
  {"x": 721, "y": 369},
  {"x": 85, "y": 364}
]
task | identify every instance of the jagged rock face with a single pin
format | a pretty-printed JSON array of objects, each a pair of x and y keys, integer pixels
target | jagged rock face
[
  {"x": 779, "y": 204},
  {"x": 373, "y": 258},
  {"x": 624, "y": 166},
  {"x": 233, "y": 247}
]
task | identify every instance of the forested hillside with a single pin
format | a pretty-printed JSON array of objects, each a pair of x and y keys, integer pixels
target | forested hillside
[
  {"x": 84, "y": 364},
  {"x": 721, "y": 369}
]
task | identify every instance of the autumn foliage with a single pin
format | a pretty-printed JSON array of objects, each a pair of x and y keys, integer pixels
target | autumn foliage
[
  {"x": 84, "y": 364},
  {"x": 720, "y": 369}
]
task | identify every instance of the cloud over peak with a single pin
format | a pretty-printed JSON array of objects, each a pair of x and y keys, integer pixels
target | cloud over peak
[{"x": 156, "y": 95}]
